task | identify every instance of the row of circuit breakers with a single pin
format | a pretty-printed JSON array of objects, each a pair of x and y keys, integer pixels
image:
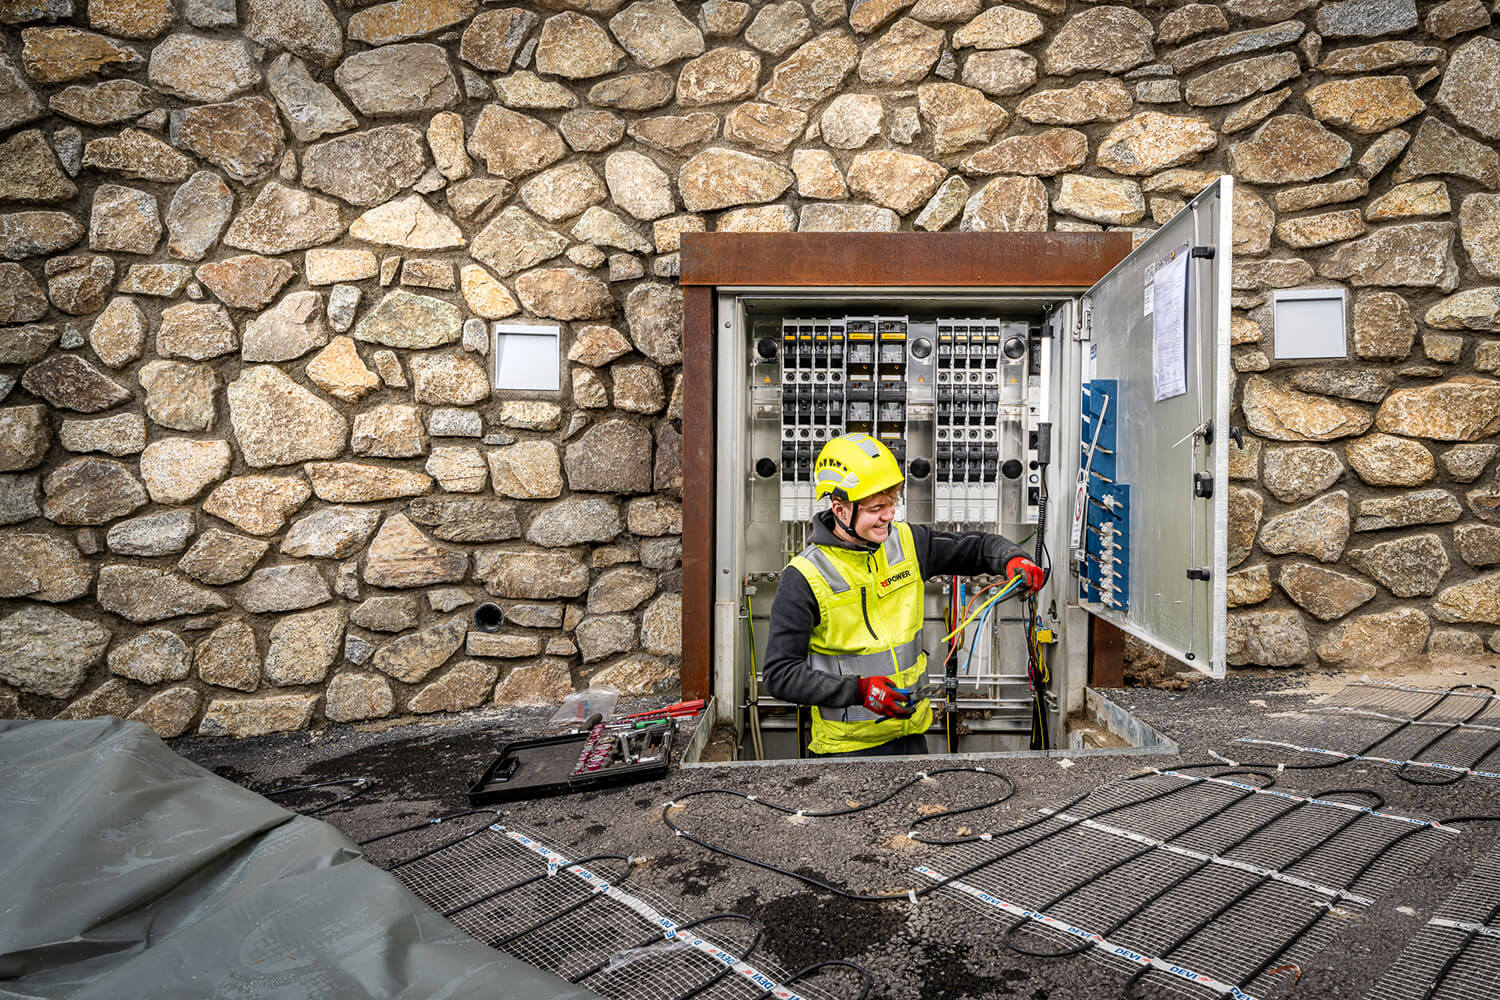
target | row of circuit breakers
[{"x": 968, "y": 377}]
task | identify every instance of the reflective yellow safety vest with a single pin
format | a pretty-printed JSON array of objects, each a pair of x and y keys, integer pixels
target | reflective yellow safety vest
[{"x": 870, "y": 608}]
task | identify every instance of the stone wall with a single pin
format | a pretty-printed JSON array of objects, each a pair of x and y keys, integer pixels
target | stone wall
[{"x": 251, "y": 469}]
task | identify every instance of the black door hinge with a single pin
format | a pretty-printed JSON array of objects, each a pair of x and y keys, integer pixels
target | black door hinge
[
  {"x": 1207, "y": 253},
  {"x": 1203, "y": 485},
  {"x": 1198, "y": 574}
]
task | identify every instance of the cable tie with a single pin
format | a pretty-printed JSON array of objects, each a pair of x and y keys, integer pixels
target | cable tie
[
  {"x": 750, "y": 798},
  {"x": 677, "y": 832},
  {"x": 670, "y": 804},
  {"x": 922, "y": 775},
  {"x": 799, "y": 812},
  {"x": 911, "y": 894},
  {"x": 986, "y": 836},
  {"x": 1281, "y": 768}
]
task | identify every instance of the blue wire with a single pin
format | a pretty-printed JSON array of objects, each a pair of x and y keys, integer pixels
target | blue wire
[{"x": 979, "y": 627}]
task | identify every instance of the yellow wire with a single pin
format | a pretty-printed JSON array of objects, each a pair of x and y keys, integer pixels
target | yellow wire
[{"x": 1005, "y": 591}]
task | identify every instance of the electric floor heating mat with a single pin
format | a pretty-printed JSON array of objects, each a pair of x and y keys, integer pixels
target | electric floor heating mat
[
  {"x": 1456, "y": 955},
  {"x": 1190, "y": 883},
  {"x": 1429, "y": 735},
  {"x": 582, "y": 919}
]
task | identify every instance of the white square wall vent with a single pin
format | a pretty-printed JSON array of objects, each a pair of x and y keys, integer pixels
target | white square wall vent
[
  {"x": 527, "y": 356},
  {"x": 1309, "y": 323}
]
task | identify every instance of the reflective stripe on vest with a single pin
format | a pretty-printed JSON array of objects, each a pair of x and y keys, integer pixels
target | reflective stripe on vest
[
  {"x": 894, "y": 553},
  {"x": 826, "y": 569},
  {"x": 864, "y": 665}
]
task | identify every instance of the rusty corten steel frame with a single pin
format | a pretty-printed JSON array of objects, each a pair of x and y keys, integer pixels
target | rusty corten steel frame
[{"x": 711, "y": 261}]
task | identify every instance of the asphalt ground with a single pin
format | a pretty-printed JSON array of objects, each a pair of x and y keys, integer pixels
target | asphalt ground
[{"x": 936, "y": 948}]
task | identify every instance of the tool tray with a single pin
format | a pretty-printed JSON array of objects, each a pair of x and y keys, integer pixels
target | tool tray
[{"x": 539, "y": 766}]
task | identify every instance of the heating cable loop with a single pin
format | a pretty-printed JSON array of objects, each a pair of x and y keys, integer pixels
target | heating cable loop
[
  {"x": 1454, "y": 772},
  {"x": 909, "y": 894},
  {"x": 1350, "y": 882},
  {"x": 725, "y": 958},
  {"x": 1471, "y": 929},
  {"x": 361, "y": 785}
]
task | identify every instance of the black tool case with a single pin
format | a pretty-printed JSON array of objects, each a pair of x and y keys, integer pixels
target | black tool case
[{"x": 539, "y": 766}]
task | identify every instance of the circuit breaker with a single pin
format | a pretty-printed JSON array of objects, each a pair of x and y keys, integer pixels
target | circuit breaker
[{"x": 1037, "y": 414}]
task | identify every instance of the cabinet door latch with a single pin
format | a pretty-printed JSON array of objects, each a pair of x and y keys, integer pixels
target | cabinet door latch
[
  {"x": 1203, "y": 485},
  {"x": 1199, "y": 574}
]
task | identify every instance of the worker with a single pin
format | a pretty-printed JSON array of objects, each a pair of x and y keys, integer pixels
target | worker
[{"x": 846, "y": 626}]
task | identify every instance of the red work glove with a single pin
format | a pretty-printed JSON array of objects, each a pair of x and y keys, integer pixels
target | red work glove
[
  {"x": 1028, "y": 569},
  {"x": 884, "y": 698}
]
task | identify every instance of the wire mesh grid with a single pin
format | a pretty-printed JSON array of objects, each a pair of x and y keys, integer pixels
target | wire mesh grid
[
  {"x": 507, "y": 894},
  {"x": 1223, "y": 880},
  {"x": 1445, "y": 962},
  {"x": 1457, "y": 728}
]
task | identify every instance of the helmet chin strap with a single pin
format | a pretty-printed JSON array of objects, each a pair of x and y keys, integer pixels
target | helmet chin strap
[{"x": 849, "y": 527}]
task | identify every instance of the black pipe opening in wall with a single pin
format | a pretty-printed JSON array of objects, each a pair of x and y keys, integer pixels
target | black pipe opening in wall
[{"x": 488, "y": 617}]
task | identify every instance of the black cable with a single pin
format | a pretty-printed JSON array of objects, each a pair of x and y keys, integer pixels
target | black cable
[
  {"x": 826, "y": 886},
  {"x": 1453, "y": 776},
  {"x": 361, "y": 785},
  {"x": 1393, "y": 732},
  {"x": 1242, "y": 895},
  {"x": 433, "y": 822},
  {"x": 1078, "y": 946},
  {"x": 537, "y": 925}
]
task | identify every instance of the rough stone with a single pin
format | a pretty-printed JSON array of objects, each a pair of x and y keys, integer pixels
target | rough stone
[
  {"x": 1420, "y": 507},
  {"x": 655, "y": 33},
  {"x": 958, "y": 116},
  {"x": 248, "y": 281},
  {"x": 465, "y": 686},
  {"x": 1107, "y": 38},
  {"x": 62, "y": 54},
  {"x": 1317, "y": 195},
  {"x": 1465, "y": 408},
  {"x": 527, "y": 470},
  {"x": 514, "y": 241},
  {"x": 1321, "y": 230},
  {"x": 1242, "y": 79},
  {"x": 242, "y": 717},
  {"x": 1248, "y": 586},
  {"x": 402, "y": 20},
  {"x": 1286, "y": 415},
  {"x": 404, "y": 319},
  {"x": 1479, "y": 226},
  {"x": 1383, "y": 327},
  {"x": 91, "y": 491},
  {"x": 1324, "y": 593},
  {"x": 563, "y": 191},
  {"x": 1234, "y": 43},
  {"x": 529, "y": 415},
  {"x": 367, "y": 168},
  {"x": 179, "y": 396},
  {"x": 406, "y": 79},
  {"x": 124, "y": 434},
  {"x": 600, "y": 636},
  {"x": 1267, "y": 639},
  {"x": 620, "y": 589},
  {"x": 1382, "y": 460},
  {"x": 1469, "y": 84},
  {"x": 1318, "y": 529},
  {"x": 43, "y": 568},
  {"x": 458, "y": 470},
  {"x": 201, "y": 68},
  {"x": 565, "y": 294},
  {"x": 1364, "y": 386},
  {"x": 145, "y": 594},
  {"x": 78, "y": 285},
  {"x": 304, "y": 646},
  {"x": 1472, "y": 309},
  {"x": 283, "y": 588},
  {"x": 242, "y": 137},
  {"x": 221, "y": 556},
  {"x": 543, "y": 682},
  {"x": 18, "y": 498},
  {"x": 1465, "y": 462},
  {"x": 392, "y": 430},
  {"x": 492, "y": 40},
  {"x": 20, "y": 345},
  {"x": 351, "y": 482},
  {"x": 197, "y": 215},
  {"x": 719, "y": 76},
  {"x": 24, "y": 437},
  {"x": 310, "y": 108},
  {"x": 1411, "y": 566},
  {"x": 1091, "y": 101},
  {"x": 777, "y": 27},
  {"x": 156, "y": 534},
  {"x": 903, "y": 55},
  {"x": 29, "y": 170},
  {"x": 1000, "y": 73},
  {"x": 1007, "y": 204},
  {"x": 1377, "y": 640},
  {"x": 675, "y": 134},
  {"x": 591, "y": 131},
  {"x": 277, "y": 422},
  {"x": 1364, "y": 20},
  {"x": 575, "y": 521},
  {"x": 1100, "y": 199},
  {"x": 1046, "y": 153},
  {"x": 1286, "y": 149},
  {"x": 330, "y": 533},
  {"x": 613, "y": 456},
  {"x": 633, "y": 91},
  {"x": 764, "y": 126},
  {"x": 46, "y": 652},
  {"x": 407, "y": 223},
  {"x": 169, "y": 713},
  {"x": 283, "y": 219},
  {"x": 1366, "y": 105},
  {"x": 1408, "y": 200},
  {"x": 21, "y": 298},
  {"x": 303, "y": 27},
  {"x": 1476, "y": 600},
  {"x": 898, "y": 181},
  {"x": 1152, "y": 141},
  {"x": 107, "y": 103},
  {"x": 813, "y": 72},
  {"x": 852, "y": 120},
  {"x": 722, "y": 178},
  {"x": 229, "y": 657},
  {"x": 577, "y": 47},
  {"x": 177, "y": 470},
  {"x": 466, "y": 519},
  {"x": 1438, "y": 149}
]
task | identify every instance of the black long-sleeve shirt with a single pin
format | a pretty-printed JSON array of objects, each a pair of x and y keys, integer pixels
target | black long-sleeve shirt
[{"x": 786, "y": 673}]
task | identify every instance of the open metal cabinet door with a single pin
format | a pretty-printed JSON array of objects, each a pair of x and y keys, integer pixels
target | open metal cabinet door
[{"x": 1150, "y": 498}]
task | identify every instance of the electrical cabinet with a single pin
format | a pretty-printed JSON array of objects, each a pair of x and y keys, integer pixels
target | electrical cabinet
[{"x": 1090, "y": 425}]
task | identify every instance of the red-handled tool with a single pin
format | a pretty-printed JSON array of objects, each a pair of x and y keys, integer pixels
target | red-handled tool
[{"x": 678, "y": 710}]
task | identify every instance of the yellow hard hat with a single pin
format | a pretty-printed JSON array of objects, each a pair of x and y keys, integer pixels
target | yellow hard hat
[{"x": 854, "y": 466}]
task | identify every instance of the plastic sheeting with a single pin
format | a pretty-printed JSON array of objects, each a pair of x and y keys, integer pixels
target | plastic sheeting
[{"x": 131, "y": 872}]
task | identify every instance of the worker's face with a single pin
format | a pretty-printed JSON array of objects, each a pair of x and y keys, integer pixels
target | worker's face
[{"x": 873, "y": 521}]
